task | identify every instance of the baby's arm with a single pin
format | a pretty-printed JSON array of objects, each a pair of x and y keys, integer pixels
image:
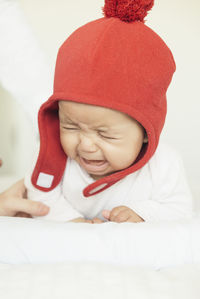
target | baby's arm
[{"x": 171, "y": 198}]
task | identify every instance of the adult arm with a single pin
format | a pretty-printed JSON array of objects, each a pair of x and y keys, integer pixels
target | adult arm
[{"x": 24, "y": 71}]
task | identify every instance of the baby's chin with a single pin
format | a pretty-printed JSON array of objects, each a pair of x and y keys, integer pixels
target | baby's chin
[{"x": 98, "y": 177}]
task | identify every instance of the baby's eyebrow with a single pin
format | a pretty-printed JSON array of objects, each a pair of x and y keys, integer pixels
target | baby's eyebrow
[
  {"x": 108, "y": 130},
  {"x": 64, "y": 118},
  {"x": 99, "y": 128}
]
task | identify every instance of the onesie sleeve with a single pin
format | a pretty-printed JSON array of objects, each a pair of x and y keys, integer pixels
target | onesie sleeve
[
  {"x": 171, "y": 198},
  {"x": 60, "y": 208}
]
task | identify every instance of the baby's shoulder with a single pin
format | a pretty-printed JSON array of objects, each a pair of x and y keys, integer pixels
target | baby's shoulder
[
  {"x": 166, "y": 151},
  {"x": 165, "y": 159}
]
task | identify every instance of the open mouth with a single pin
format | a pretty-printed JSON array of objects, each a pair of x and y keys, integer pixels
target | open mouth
[{"x": 93, "y": 165}]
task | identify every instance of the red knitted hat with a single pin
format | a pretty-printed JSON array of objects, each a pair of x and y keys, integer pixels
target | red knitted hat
[{"x": 115, "y": 62}]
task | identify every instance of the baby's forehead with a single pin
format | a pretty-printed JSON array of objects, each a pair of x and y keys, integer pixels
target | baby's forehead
[
  {"x": 94, "y": 117},
  {"x": 91, "y": 114}
]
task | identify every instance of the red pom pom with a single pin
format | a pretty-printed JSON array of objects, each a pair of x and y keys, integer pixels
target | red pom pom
[{"x": 127, "y": 10}]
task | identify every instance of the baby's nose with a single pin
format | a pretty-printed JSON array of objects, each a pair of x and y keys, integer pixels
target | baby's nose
[{"x": 87, "y": 143}]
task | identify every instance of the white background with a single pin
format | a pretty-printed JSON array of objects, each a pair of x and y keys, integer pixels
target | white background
[{"x": 177, "y": 22}]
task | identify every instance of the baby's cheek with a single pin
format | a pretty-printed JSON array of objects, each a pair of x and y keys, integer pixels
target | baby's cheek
[
  {"x": 67, "y": 143},
  {"x": 117, "y": 160}
]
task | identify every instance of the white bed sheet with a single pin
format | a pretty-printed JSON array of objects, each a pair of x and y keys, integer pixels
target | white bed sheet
[
  {"x": 156, "y": 245},
  {"x": 97, "y": 281}
]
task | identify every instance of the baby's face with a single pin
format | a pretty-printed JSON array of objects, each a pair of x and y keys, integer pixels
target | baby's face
[{"x": 101, "y": 140}]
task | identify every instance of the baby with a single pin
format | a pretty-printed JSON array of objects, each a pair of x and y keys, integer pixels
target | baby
[{"x": 100, "y": 157}]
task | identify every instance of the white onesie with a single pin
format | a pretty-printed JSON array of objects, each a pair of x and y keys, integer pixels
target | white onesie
[{"x": 158, "y": 191}]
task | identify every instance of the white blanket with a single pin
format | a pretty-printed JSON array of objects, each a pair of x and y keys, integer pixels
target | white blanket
[
  {"x": 97, "y": 281},
  {"x": 156, "y": 245},
  {"x": 51, "y": 260}
]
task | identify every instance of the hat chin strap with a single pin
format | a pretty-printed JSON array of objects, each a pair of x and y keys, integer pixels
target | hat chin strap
[{"x": 106, "y": 182}]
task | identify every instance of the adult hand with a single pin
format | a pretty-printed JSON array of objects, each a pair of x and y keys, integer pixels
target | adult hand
[
  {"x": 13, "y": 202},
  {"x": 121, "y": 214}
]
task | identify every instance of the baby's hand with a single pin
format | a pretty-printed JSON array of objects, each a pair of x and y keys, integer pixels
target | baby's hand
[
  {"x": 97, "y": 220},
  {"x": 80, "y": 219},
  {"x": 121, "y": 214}
]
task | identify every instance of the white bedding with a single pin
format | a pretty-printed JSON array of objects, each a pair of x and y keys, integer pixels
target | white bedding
[
  {"x": 43, "y": 259},
  {"x": 71, "y": 280},
  {"x": 156, "y": 245}
]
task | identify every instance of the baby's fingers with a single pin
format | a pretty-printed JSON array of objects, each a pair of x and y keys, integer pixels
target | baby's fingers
[
  {"x": 97, "y": 220},
  {"x": 119, "y": 214},
  {"x": 106, "y": 214}
]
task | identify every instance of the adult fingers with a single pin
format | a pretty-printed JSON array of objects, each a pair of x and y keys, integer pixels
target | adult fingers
[
  {"x": 17, "y": 189},
  {"x": 33, "y": 208},
  {"x": 23, "y": 215}
]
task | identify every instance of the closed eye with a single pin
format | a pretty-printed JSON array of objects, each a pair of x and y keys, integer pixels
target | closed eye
[
  {"x": 69, "y": 128},
  {"x": 107, "y": 137}
]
